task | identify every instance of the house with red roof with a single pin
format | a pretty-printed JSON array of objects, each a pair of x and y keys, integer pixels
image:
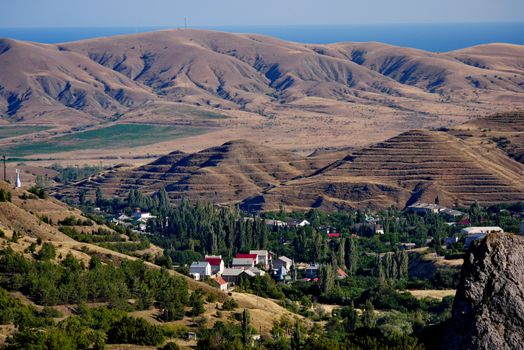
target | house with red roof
[
  {"x": 216, "y": 262},
  {"x": 334, "y": 235},
  {"x": 248, "y": 256},
  {"x": 220, "y": 283}
]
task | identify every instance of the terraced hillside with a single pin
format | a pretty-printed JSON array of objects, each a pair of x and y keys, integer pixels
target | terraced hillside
[
  {"x": 416, "y": 165},
  {"x": 505, "y": 131},
  {"x": 223, "y": 174}
]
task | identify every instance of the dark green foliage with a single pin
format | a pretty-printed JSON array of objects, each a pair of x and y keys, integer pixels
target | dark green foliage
[
  {"x": 69, "y": 174},
  {"x": 229, "y": 305},
  {"x": 172, "y": 312},
  {"x": 131, "y": 330},
  {"x": 69, "y": 282},
  {"x": 5, "y": 196},
  {"x": 47, "y": 252},
  {"x": 38, "y": 191}
]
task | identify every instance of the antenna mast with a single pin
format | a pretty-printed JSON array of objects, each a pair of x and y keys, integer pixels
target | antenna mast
[{"x": 5, "y": 171}]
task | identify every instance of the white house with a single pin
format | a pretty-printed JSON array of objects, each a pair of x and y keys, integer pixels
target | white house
[
  {"x": 200, "y": 269},
  {"x": 481, "y": 229},
  {"x": 216, "y": 262},
  {"x": 221, "y": 283},
  {"x": 263, "y": 256}
]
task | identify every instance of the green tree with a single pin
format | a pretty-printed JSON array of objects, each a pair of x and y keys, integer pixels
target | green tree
[
  {"x": 245, "y": 324},
  {"x": 297, "y": 340},
  {"x": 368, "y": 315}
]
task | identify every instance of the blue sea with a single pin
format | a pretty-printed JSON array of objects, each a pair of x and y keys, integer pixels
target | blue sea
[{"x": 430, "y": 37}]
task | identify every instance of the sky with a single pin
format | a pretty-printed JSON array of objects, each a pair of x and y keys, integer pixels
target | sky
[{"x": 132, "y": 13}]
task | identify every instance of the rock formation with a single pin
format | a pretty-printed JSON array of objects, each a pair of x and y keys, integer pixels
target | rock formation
[{"x": 488, "y": 312}]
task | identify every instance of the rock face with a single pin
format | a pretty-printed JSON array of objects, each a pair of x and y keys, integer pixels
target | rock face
[{"x": 488, "y": 312}]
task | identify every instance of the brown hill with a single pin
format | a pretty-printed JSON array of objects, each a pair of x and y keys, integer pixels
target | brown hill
[
  {"x": 47, "y": 84},
  {"x": 417, "y": 165},
  {"x": 504, "y": 131},
  {"x": 287, "y": 93},
  {"x": 223, "y": 174}
]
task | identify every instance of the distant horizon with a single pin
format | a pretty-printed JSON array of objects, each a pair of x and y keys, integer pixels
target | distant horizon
[
  {"x": 203, "y": 26},
  {"x": 435, "y": 37}
]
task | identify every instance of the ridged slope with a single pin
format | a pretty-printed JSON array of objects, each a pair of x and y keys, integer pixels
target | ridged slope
[
  {"x": 417, "y": 165},
  {"x": 223, "y": 174}
]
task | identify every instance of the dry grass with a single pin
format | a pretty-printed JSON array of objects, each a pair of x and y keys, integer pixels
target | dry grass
[{"x": 432, "y": 293}]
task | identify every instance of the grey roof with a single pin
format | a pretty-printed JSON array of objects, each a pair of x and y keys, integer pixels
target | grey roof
[
  {"x": 232, "y": 272},
  {"x": 285, "y": 259},
  {"x": 199, "y": 264},
  {"x": 313, "y": 267},
  {"x": 259, "y": 252},
  {"x": 249, "y": 273},
  {"x": 242, "y": 261}
]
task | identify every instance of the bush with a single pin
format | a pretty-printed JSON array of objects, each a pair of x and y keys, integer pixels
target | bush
[
  {"x": 38, "y": 191},
  {"x": 47, "y": 252},
  {"x": 229, "y": 305},
  {"x": 137, "y": 331},
  {"x": 5, "y": 196}
]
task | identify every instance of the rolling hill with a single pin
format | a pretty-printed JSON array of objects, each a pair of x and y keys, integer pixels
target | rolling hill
[
  {"x": 252, "y": 87},
  {"x": 223, "y": 174},
  {"x": 459, "y": 165}
]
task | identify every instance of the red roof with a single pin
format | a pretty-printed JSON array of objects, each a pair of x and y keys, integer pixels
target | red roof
[
  {"x": 214, "y": 261},
  {"x": 332, "y": 235},
  {"x": 247, "y": 256},
  {"x": 220, "y": 280}
]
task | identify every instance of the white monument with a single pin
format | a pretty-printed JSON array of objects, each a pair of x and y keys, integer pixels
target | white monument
[{"x": 18, "y": 183}]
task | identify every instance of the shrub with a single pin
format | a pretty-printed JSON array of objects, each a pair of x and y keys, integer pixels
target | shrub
[
  {"x": 5, "y": 196},
  {"x": 137, "y": 331},
  {"x": 229, "y": 304}
]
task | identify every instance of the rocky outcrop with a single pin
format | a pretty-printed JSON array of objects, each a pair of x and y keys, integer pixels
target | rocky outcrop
[{"x": 488, "y": 312}]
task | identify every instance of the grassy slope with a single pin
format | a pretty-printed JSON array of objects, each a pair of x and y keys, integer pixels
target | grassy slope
[{"x": 116, "y": 136}]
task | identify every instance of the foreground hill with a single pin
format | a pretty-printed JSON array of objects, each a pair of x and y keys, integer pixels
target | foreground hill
[
  {"x": 460, "y": 166},
  {"x": 253, "y": 87}
]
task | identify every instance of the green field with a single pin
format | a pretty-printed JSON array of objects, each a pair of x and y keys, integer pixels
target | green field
[
  {"x": 116, "y": 136},
  {"x": 11, "y": 131}
]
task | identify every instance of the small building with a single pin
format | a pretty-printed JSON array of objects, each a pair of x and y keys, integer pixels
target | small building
[
  {"x": 254, "y": 257},
  {"x": 451, "y": 240},
  {"x": 312, "y": 271},
  {"x": 341, "y": 274},
  {"x": 424, "y": 208},
  {"x": 379, "y": 229},
  {"x": 257, "y": 271},
  {"x": 408, "y": 245},
  {"x": 263, "y": 257},
  {"x": 275, "y": 223},
  {"x": 280, "y": 273},
  {"x": 297, "y": 223},
  {"x": 221, "y": 283},
  {"x": 243, "y": 263},
  {"x": 216, "y": 262},
  {"x": 333, "y": 235},
  {"x": 200, "y": 269},
  {"x": 451, "y": 214},
  {"x": 481, "y": 229},
  {"x": 282, "y": 261},
  {"x": 231, "y": 275}
]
